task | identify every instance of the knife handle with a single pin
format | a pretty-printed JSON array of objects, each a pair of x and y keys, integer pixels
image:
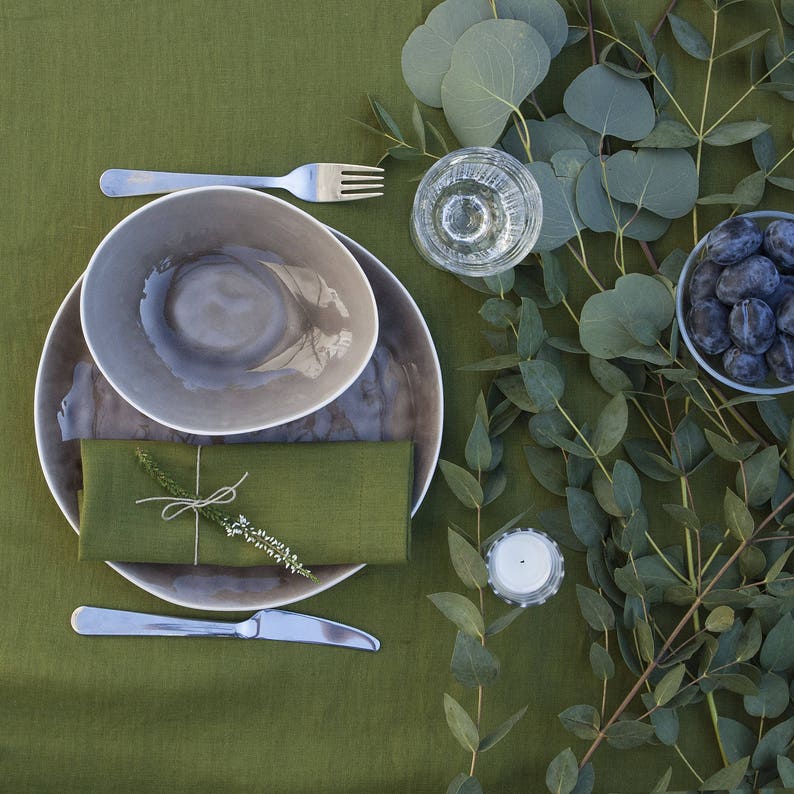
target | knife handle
[{"x": 116, "y": 622}]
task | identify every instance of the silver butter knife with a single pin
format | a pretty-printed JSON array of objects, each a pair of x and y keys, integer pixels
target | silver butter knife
[{"x": 267, "y": 624}]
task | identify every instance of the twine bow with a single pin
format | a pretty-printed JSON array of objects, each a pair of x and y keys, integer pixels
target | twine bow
[{"x": 177, "y": 505}]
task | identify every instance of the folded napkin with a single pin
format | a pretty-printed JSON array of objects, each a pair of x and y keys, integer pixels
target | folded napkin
[{"x": 336, "y": 502}]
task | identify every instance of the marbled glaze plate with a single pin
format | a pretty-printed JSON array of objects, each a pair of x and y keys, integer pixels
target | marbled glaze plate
[{"x": 398, "y": 396}]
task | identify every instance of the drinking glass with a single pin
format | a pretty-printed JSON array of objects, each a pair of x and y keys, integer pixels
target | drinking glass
[{"x": 477, "y": 212}]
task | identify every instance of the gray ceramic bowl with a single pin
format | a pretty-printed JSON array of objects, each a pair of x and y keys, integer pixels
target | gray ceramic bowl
[
  {"x": 712, "y": 364},
  {"x": 223, "y": 310}
]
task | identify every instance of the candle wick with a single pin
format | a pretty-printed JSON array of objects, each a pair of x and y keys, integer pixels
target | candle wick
[{"x": 522, "y": 562}]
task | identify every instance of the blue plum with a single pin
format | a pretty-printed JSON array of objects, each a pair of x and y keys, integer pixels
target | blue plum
[
  {"x": 734, "y": 240},
  {"x": 784, "y": 287},
  {"x": 707, "y": 323},
  {"x": 779, "y": 243},
  {"x": 780, "y": 358},
  {"x": 785, "y": 314},
  {"x": 753, "y": 277},
  {"x": 744, "y": 367},
  {"x": 752, "y": 325},
  {"x": 703, "y": 283}
]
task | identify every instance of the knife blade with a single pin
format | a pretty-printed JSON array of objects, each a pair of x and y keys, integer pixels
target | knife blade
[{"x": 267, "y": 624}]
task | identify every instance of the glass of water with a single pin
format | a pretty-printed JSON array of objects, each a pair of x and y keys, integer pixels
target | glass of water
[{"x": 477, "y": 212}]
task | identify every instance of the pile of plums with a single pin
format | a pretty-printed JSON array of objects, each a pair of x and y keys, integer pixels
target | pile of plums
[{"x": 742, "y": 299}]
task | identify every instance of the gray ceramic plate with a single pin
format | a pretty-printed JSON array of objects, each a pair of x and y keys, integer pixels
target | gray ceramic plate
[{"x": 398, "y": 396}]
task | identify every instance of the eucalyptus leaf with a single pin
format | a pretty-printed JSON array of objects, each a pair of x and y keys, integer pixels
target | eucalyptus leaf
[
  {"x": 626, "y": 487},
  {"x": 775, "y": 52},
  {"x": 663, "y": 83},
  {"x": 611, "y": 425},
  {"x": 561, "y": 219},
  {"x": 648, "y": 456},
  {"x": 727, "y": 778},
  {"x": 530, "y": 329},
  {"x": 462, "y": 484},
  {"x": 626, "y": 734},
  {"x": 547, "y": 427},
  {"x": 548, "y": 468},
  {"x": 636, "y": 299},
  {"x": 760, "y": 476},
  {"x": 785, "y": 768},
  {"x": 545, "y": 16},
  {"x": 543, "y": 383},
  {"x": 461, "y": 724},
  {"x": 668, "y": 687},
  {"x": 464, "y": 784},
  {"x": 689, "y": 38},
  {"x": 752, "y": 561},
  {"x": 495, "y": 65},
  {"x": 744, "y": 42},
  {"x": 555, "y": 282},
  {"x": 728, "y": 450},
  {"x": 505, "y": 620},
  {"x": 689, "y": 448},
  {"x": 583, "y": 721},
  {"x": 590, "y": 137},
  {"x": 735, "y": 132},
  {"x": 775, "y": 418},
  {"x": 496, "y": 736},
  {"x": 461, "y": 611},
  {"x": 646, "y": 42},
  {"x": 595, "y": 609},
  {"x": 556, "y": 523},
  {"x": 669, "y": 134},
  {"x": 777, "y": 651},
  {"x": 664, "y": 181},
  {"x": 472, "y": 664},
  {"x": 737, "y": 739},
  {"x": 629, "y": 582},
  {"x": 749, "y": 640},
  {"x": 666, "y": 725},
  {"x": 720, "y": 619},
  {"x": 787, "y": 9},
  {"x": 562, "y": 773},
  {"x": 478, "y": 451},
  {"x": 493, "y": 364},
  {"x": 546, "y": 139},
  {"x": 775, "y": 742},
  {"x": 601, "y": 662},
  {"x": 603, "y": 213},
  {"x": 737, "y": 517},
  {"x": 772, "y": 698},
  {"x": 609, "y": 377},
  {"x": 427, "y": 54},
  {"x": 467, "y": 562},
  {"x": 645, "y": 641},
  {"x": 589, "y": 522},
  {"x": 610, "y": 104}
]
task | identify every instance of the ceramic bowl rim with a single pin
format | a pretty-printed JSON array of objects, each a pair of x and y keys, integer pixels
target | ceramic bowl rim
[{"x": 319, "y": 228}]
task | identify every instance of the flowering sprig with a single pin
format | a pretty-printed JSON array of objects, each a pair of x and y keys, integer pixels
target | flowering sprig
[{"x": 234, "y": 526}]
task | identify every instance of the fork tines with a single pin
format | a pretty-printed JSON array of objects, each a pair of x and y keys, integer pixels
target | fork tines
[{"x": 359, "y": 181}]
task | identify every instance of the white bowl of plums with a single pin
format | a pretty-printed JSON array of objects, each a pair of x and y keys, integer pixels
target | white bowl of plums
[{"x": 735, "y": 302}]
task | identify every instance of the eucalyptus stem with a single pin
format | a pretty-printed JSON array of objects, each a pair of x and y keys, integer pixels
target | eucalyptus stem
[{"x": 643, "y": 678}]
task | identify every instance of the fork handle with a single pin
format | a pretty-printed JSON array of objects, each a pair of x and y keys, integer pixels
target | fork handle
[{"x": 125, "y": 182}]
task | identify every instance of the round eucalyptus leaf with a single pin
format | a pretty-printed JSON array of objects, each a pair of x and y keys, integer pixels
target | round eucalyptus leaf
[
  {"x": 583, "y": 721},
  {"x": 610, "y": 104},
  {"x": 543, "y": 383},
  {"x": 561, "y": 219},
  {"x": 601, "y": 662},
  {"x": 777, "y": 651},
  {"x": 601, "y": 213},
  {"x": 427, "y": 53},
  {"x": 664, "y": 181},
  {"x": 495, "y": 65},
  {"x": 609, "y": 319},
  {"x": 626, "y": 734},
  {"x": 590, "y": 137},
  {"x": 546, "y": 16},
  {"x": 473, "y": 665},
  {"x": 548, "y": 137},
  {"x": 562, "y": 773}
]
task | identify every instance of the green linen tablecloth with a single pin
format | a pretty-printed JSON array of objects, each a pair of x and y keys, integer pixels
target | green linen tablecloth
[{"x": 244, "y": 86}]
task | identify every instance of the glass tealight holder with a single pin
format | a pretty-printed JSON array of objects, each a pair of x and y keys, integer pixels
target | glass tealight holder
[
  {"x": 477, "y": 212},
  {"x": 525, "y": 567}
]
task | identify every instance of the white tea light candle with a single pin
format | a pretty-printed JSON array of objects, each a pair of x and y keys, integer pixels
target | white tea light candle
[{"x": 525, "y": 567}]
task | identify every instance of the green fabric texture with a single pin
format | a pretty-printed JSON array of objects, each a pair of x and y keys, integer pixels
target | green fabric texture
[
  {"x": 346, "y": 502},
  {"x": 243, "y": 86}
]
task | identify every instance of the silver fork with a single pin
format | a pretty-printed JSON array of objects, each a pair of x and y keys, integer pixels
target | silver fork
[{"x": 311, "y": 182}]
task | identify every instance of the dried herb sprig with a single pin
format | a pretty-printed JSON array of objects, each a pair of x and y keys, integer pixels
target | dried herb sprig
[{"x": 238, "y": 526}]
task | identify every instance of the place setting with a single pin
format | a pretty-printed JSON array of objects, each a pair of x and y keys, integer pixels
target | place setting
[{"x": 230, "y": 337}]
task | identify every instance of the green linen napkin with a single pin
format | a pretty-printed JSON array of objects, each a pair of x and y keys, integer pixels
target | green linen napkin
[{"x": 336, "y": 502}]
